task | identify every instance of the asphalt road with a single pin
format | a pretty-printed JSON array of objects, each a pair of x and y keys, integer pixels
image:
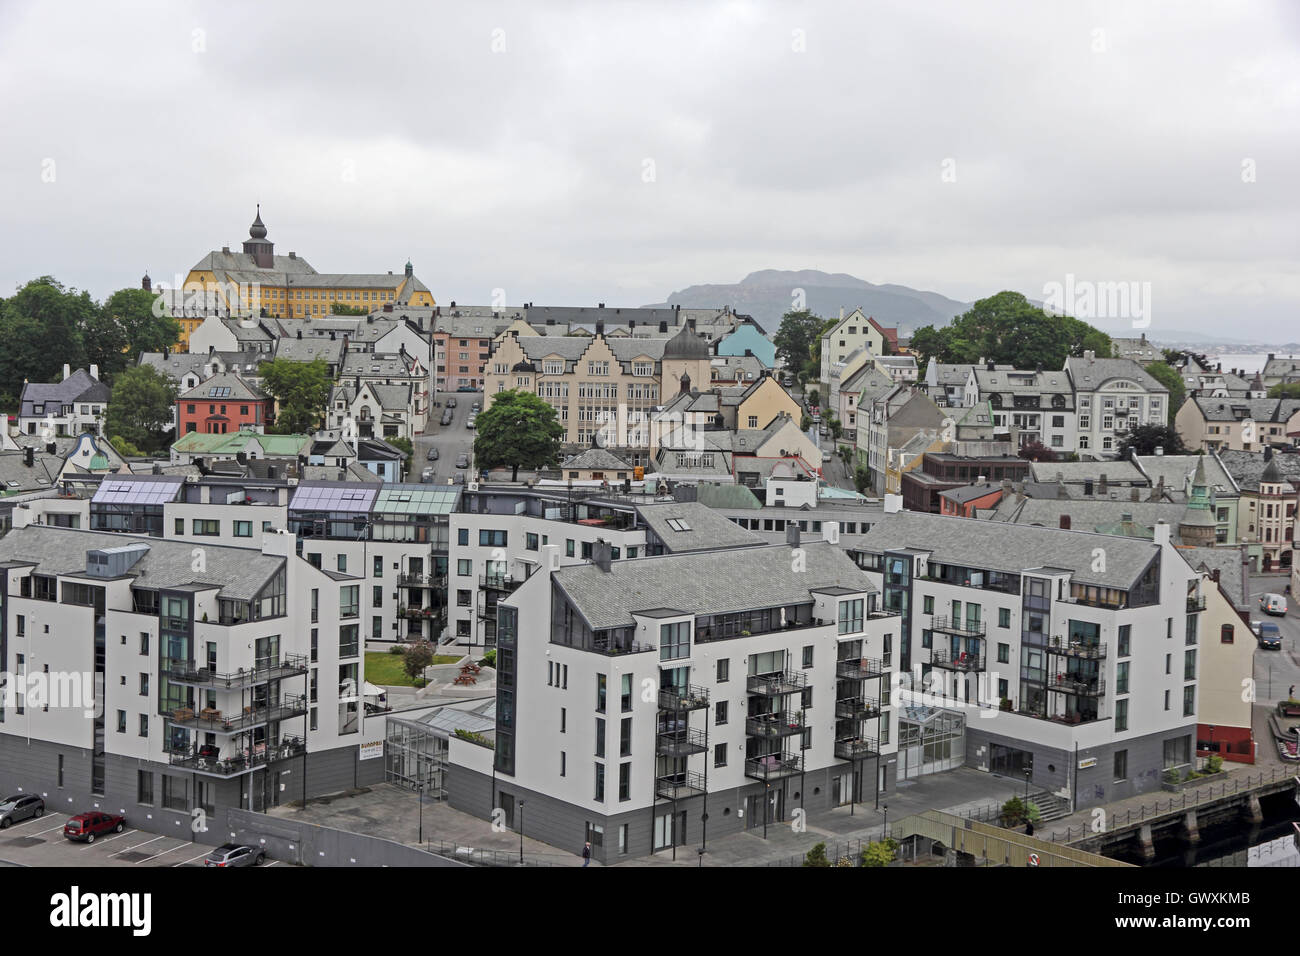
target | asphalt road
[
  {"x": 1276, "y": 671},
  {"x": 451, "y": 441},
  {"x": 40, "y": 842}
]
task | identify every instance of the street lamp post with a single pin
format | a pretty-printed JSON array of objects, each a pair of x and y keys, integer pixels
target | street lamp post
[
  {"x": 521, "y": 833},
  {"x": 419, "y": 788},
  {"x": 1028, "y": 771},
  {"x": 884, "y": 830}
]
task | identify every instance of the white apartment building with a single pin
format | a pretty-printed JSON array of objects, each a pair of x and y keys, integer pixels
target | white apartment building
[
  {"x": 1065, "y": 654},
  {"x": 1112, "y": 396},
  {"x": 636, "y": 696},
  {"x": 1027, "y": 406},
  {"x": 209, "y": 676}
]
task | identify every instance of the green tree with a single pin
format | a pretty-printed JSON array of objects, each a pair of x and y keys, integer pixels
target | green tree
[
  {"x": 799, "y": 333},
  {"x": 1147, "y": 438},
  {"x": 341, "y": 308},
  {"x": 805, "y": 422},
  {"x": 41, "y": 328},
  {"x": 1285, "y": 390},
  {"x": 1036, "y": 451},
  {"x": 1168, "y": 376},
  {"x": 816, "y": 856},
  {"x": 1008, "y": 329},
  {"x": 416, "y": 659},
  {"x": 125, "y": 448},
  {"x": 519, "y": 430},
  {"x": 837, "y": 429},
  {"x": 862, "y": 479},
  {"x": 880, "y": 852},
  {"x": 406, "y": 448},
  {"x": 106, "y": 345},
  {"x": 144, "y": 323},
  {"x": 302, "y": 391},
  {"x": 814, "y": 398},
  {"x": 140, "y": 408}
]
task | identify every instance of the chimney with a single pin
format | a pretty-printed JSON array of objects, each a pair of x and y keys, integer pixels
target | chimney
[
  {"x": 300, "y": 333},
  {"x": 1214, "y": 575},
  {"x": 1162, "y": 532},
  {"x": 67, "y": 370},
  {"x": 982, "y": 479},
  {"x": 600, "y": 326},
  {"x": 792, "y": 534},
  {"x": 601, "y": 305},
  {"x": 1160, "y": 450},
  {"x": 893, "y": 504},
  {"x": 270, "y": 471},
  {"x": 51, "y": 448},
  {"x": 831, "y": 531},
  {"x": 94, "y": 372},
  {"x": 663, "y": 327},
  {"x": 600, "y": 554},
  {"x": 293, "y": 255},
  {"x": 29, "y": 456},
  {"x": 157, "y": 468},
  {"x": 1133, "y": 493},
  {"x": 1103, "y": 488},
  {"x": 1065, "y": 522}
]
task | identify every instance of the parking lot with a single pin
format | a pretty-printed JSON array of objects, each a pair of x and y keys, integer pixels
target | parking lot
[{"x": 40, "y": 842}]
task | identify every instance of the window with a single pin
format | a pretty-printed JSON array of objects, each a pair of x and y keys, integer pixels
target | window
[
  {"x": 378, "y": 567},
  {"x": 568, "y": 547},
  {"x": 206, "y": 526},
  {"x": 808, "y": 657},
  {"x": 1004, "y": 653},
  {"x": 144, "y": 685},
  {"x": 600, "y": 736},
  {"x": 1189, "y": 665},
  {"x": 625, "y": 737},
  {"x": 464, "y": 567},
  {"x": 1125, "y": 630},
  {"x": 719, "y": 755},
  {"x": 377, "y": 596},
  {"x": 1225, "y": 634},
  {"x": 144, "y": 787},
  {"x": 488, "y": 538},
  {"x": 600, "y": 781},
  {"x": 563, "y": 760},
  {"x": 121, "y": 721},
  {"x": 243, "y": 529},
  {"x": 927, "y": 604},
  {"x": 144, "y": 644},
  {"x": 463, "y": 597},
  {"x": 530, "y": 541},
  {"x": 724, "y": 670},
  {"x": 462, "y": 536},
  {"x": 1169, "y": 663},
  {"x": 343, "y": 564},
  {"x": 1004, "y": 617},
  {"x": 1121, "y": 715},
  {"x": 1189, "y": 700},
  {"x": 600, "y": 693},
  {"x": 851, "y": 616},
  {"x": 1121, "y": 765},
  {"x": 674, "y": 640},
  {"x": 180, "y": 526},
  {"x": 350, "y": 601},
  {"x": 144, "y": 725},
  {"x": 1121, "y": 677},
  {"x": 719, "y": 713}
]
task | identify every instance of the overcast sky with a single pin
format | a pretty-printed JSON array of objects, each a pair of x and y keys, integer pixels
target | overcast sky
[{"x": 575, "y": 153}]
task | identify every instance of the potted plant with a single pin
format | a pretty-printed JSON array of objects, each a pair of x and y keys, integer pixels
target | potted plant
[{"x": 1005, "y": 704}]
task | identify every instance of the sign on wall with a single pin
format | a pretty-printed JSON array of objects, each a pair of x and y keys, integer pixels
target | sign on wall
[{"x": 371, "y": 750}]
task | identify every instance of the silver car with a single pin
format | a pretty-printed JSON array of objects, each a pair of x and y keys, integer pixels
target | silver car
[
  {"x": 23, "y": 806},
  {"x": 235, "y": 854}
]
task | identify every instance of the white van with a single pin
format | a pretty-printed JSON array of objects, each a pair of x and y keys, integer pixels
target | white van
[{"x": 1272, "y": 604}]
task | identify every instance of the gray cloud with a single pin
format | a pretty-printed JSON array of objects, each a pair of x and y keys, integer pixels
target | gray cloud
[{"x": 780, "y": 136}]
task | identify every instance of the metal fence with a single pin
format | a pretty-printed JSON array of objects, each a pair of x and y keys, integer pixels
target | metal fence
[{"x": 481, "y": 857}]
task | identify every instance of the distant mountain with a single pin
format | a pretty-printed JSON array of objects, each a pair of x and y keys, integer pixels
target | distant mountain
[{"x": 769, "y": 294}]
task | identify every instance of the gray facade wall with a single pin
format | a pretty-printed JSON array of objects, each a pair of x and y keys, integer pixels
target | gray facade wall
[
  {"x": 1093, "y": 786},
  {"x": 564, "y": 825}
]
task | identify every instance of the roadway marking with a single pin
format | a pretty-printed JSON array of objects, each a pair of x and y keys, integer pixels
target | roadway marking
[
  {"x": 272, "y": 863},
  {"x": 106, "y": 839},
  {"x": 163, "y": 853},
  {"x": 184, "y": 862},
  {"x": 146, "y": 843},
  {"x": 51, "y": 829}
]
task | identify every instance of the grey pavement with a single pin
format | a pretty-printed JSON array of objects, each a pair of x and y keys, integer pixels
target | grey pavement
[{"x": 451, "y": 441}]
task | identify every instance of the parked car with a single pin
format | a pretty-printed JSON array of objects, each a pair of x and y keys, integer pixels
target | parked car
[
  {"x": 1272, "y": 604},
  {"x": 470, "y": 422},
  {"x": 446, "y": 419},
  {"x": 20, "y": 807},
  {"x": 462, "y": 461},
  {"x": 235, "y": 854},
  {"x": 451, "y": 402},
  {"x": 85, "y": 827},
  {"x": 1269, "y": 636},
  {"x": 458, "y": 478},
  {"x": 433, "y": 454},
  {"x": 467, "y": 388},
  {"x": 426, "y": 476}
]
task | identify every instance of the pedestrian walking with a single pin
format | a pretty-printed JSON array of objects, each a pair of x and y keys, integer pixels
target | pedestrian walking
[
  {"x": 1291, "y": 693},
  {"x": 586, "y": 854}
]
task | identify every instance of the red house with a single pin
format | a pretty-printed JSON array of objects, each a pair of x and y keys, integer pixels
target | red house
[
  {"x": 963, "y": 501},
  {"x": 224, "y": 403}
]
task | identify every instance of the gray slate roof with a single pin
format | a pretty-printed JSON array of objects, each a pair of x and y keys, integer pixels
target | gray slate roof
[
  {"x": 77, "y": 387},
  {"x": 716, "y": 582},
  {"x": 1231, "y": 565},
  {"x": 707, "y": 528},
  {"x": 1247, "y": 467},
  {"x": 598, "y": 458},
  {"x": 1239, "y": 409},
  {"x": 239, "y": 572},
  {"x": 1089, "y": 375},
  {"x": 1012, "y": 548}
]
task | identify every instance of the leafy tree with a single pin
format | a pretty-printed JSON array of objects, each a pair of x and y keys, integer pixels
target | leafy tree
[
  {"x": 341, "y": 308},
  {"x": 816, "y": 856},
  {"x": 41, "y": 329},
  {"x": 106, "y": 345},
  {"x": 140, "y": 409},
  {"x": 1168, "y": 376},
  {"x": 1013, "y": 812},
  {"x": 517, "y": 430},
  {"x": 416, "y": 659},
  {"x": 1036, "y": 451},
  {"x": 862, "y": 479},
  {"x": 805, "y": 422},
  {"x": 1147, "y": 438},
  {"x": 1006, "y": 328},
  {"x": 302, "y": 391},
  {"x": 800, "y": 331},
  {"x": 125, "y": 448},
  {"x": 814, "y": 398},
  {"x": 1285, "y": 390},
  {"x": 836, "y": 429},
  {"x": 143, "y": 322},
  {"x": 880, "y": 852}
]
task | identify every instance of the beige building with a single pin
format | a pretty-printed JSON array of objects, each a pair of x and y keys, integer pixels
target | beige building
[
  {"x": 598, "y": 386},
  {"x": 1237, "y": 424}
]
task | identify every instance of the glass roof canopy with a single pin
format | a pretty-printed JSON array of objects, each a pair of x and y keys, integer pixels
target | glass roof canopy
[
  {"x": 333, "y": 497},
  {"x": 417, "y": 499},
  {"x": 137, "y": 491}
]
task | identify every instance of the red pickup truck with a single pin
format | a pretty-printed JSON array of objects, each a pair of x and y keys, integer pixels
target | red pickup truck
[{"x": 87, "y": 826}]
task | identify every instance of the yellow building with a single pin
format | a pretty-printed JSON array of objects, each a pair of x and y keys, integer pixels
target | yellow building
[{"x": 288, "y": 287}]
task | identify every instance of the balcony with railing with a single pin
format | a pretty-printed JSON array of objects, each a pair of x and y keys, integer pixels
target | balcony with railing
[
  {"x": 679, "y": 786},
  {"x": 215, "y": 721},
  {"x": 958, "y": 627},
  {"x": 1195, "y": 602},
  {"x": 864, "y": 668},
  {"x": 775, "y": 766},
  {"x": 779, "y": 724},
  {"x": 856, "y": 748},
  {"x": 857, "y": 708},
  {"x": 499, "y": 582},
  {"x": 1072, "y": 684},
  {"x": 1080, "y": 650},
  {"x": 209, "y": 761},
  {"x": 960, "y": 661},
  {"x": 776, "y": 685},
  {"x": 182, "y": 672},
  {"x": 684, "y": 742},
  {"x": 679, "y": 699}
]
